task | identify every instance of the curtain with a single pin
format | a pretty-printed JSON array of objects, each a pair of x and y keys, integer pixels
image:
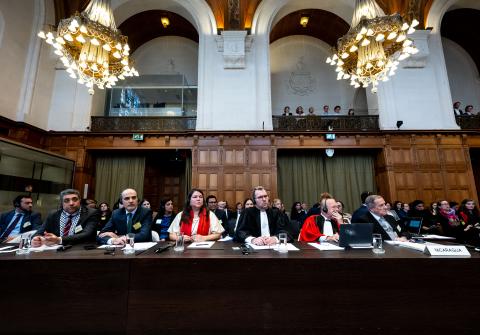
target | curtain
[
  {"x": 304, "y": 176},
  {"x": 188, "y": 178},
  {"x": 114, "y": 174}
]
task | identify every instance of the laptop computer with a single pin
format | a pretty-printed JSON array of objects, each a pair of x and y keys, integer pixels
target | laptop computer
[
  {"x": 356, "y": 235},
  {"x": 413, "y": 225}
]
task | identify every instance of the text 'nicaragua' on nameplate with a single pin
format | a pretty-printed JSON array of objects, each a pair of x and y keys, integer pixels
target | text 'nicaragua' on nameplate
[{"x": 447, "y": 250}]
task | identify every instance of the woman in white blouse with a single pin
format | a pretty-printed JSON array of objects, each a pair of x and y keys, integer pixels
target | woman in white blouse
[{"x": 196, "y": 222}]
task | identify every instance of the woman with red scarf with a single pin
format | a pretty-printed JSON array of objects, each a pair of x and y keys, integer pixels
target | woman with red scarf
[{"x": 196, "y": 222}]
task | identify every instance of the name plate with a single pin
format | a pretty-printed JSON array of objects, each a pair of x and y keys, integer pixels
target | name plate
[{"x": 447, "y": 250}]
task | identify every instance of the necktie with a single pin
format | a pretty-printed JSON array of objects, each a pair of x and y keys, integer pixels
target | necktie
[
  {"x": 388, "y": 228},
  {"x": 68, "y": 225},
  {"x": 129, "y": 223},
  {"x": 12, "y": 225}
]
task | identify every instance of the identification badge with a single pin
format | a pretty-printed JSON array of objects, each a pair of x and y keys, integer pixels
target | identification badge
[
  {"x": 137, "y": 226},
  {"x": 159, "y": 221},
  {"x": 399, "y": 229},
  {"x": 78, "y": 229},
  {"x": 27, "y": 224}
]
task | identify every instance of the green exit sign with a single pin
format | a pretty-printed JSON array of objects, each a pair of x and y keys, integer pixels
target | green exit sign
[{"x": 137, "y": 137}]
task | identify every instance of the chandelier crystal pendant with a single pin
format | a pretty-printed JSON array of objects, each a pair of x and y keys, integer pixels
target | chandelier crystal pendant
[
  {"x": 372, "y": 49},
  {"x": 91, "y": 48}
]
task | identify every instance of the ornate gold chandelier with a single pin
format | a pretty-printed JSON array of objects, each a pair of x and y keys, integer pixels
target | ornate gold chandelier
[
  {"x": 91, "y": 47},
  {"x": 373, "y": 47}
]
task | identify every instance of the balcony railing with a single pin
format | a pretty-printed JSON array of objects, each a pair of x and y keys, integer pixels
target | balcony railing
[
  {"x": 468, "y": 122},
  {"x": 143, "y": 123},
  {"x": 322, "y": 123}
]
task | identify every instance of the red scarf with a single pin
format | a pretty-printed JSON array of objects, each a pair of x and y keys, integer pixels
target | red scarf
[{"x": 203, "y": 224}]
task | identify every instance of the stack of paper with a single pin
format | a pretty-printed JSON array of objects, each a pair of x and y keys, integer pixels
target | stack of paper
[
  {"x": 326, "y": 246},
  {"x": 201, "y": 245}
]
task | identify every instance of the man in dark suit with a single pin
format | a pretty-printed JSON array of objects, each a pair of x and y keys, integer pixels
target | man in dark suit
[
  {"x": 219, "y": 213},
  {"x": 129, "y": 219},
  {"x": 362, "y": 210},
  {"x": 19, "y": 220},
  {"x": 70, "y": 225},
  {"x": 382, "y": 223},
  {"x": 260, "y": 225}
]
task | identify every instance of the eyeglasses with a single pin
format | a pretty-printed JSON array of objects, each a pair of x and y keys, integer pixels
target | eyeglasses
[{"x": 212, "y": 202}]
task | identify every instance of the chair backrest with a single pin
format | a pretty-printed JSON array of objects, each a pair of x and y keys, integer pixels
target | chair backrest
[{"x": 155, "y": 237}]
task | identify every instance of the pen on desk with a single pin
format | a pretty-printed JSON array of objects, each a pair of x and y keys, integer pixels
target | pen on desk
[{"x": 200, "y": 244}]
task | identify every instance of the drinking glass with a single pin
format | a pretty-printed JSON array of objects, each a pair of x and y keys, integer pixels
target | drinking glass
[
  {"x": 179, "y": 247},
  {"x": 282, "y": 243},
  {"x": 377, "y": 244},
  {"x": 25, "y": 243},
  {"x": 130, "y": 244}
]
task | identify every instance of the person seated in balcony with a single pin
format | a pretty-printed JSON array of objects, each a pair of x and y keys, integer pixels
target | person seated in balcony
[
  {"x": 311, "y": 111},
  {"x": 469, "y": 111},
  {"x": 286, "y": 111},
  {"x": 325, "y": 109},
  {"x": 299, "y": 111},
  {"x": 337, "y": 110},
  {"x": 456, "y": 108},
  {"x": 351, "y": 112}
]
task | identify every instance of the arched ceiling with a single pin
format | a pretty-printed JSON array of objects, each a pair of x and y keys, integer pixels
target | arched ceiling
[
  {"x": 462, "y": 27},
  {"x": 323, "y": 25},
  {"x": 238, "y": 15},
  {"x": 145, "y": 26}
]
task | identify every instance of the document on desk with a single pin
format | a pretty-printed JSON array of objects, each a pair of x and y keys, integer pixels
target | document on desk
[
  {"x": 45, "y": 248},
  {"x": 10, "y": 248},
  {"x": 437, "y": 237},
  {"x": 290, "y": 247},
  {"x": 105, "y": 246},
  {"x": 141, "y": 246},
  {"x": 201, "y": 245},
  {"x": 325, "y": 246},
  {"x": 225, "y": 239}
]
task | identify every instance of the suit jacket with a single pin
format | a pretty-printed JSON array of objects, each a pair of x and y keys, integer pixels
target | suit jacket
[
  {"x": 249, "y": 224},
  {"x": 141, "y": 225},
  {"x": 222, "y": 216},
  {"x": 378, "y": 229},
  {"x": 34, "y": 218},
  {"x": 89, "y": 218},
  {"x": 359, "y": 212}
]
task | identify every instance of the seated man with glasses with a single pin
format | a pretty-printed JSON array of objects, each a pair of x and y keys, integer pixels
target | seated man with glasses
[{"x": 260, "y": 225}]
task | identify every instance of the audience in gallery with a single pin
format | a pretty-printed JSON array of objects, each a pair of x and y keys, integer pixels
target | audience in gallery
[
  {"x": 311, "y": 111},
  {"x": 298, "y": 213},
  {"x": 286, "y": 111},
  {"x": 337, "y": 109},
  {"x": 105, "y": 214},
  {"x": 196, "y": 222},
  {"x": 458, "y": 112},
  {"x": 299, "y": 111},
  {"x": 163, "y": 219},
  {"x": 391, "y": 212},
  {"x": 351, "y": 112}
]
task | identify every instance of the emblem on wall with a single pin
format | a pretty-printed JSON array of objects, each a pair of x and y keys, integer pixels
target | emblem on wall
[{"x": 301, "y": 81}]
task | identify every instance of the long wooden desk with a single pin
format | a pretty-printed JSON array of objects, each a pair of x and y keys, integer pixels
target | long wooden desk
[{"x": 221, "y": 291}]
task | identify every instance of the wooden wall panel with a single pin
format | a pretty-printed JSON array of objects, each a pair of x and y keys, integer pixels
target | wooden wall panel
[{"x": 428, "y": 166}]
